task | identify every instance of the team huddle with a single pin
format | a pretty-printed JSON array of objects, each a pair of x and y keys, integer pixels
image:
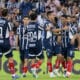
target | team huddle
[{"x": 56, "y": 37}]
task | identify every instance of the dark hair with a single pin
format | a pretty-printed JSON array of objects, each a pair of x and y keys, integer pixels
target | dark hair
[
  {"x": 25, "y": 17},
  {"x": 49, "y": 12},
  {"x": 47, "y": 7},
  {"x": 65, "y": 16},
  {"x": 4, "y": 12},
  {"x": 33, "y": 16},
  {"x": 73, "y": 16}
]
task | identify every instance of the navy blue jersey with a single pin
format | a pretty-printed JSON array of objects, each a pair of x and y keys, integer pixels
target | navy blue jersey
[
  {"x": 5, "y": 28},
  {"x": 73, "y": 28},
  {"x": 67, "y": 35},
  {"x": 34, "y": 35},
  {"x": 48, "y": 35},
  {"x": 22, "y": 36},
  {"x": 65, "y": 38},
  {"x": 19, "y": 18}
]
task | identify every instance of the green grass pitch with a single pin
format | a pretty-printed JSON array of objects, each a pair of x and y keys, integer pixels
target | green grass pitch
[{"x": 43, "y": 75}]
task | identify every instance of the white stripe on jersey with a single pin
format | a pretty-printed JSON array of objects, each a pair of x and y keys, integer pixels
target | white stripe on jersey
[
  {"x": 10, "y": 26},
  {"x": 39, "y": 35},
  {"x": 23, "y": 39},
  {"x": 8, "y": 52},
  {"x": 7, "y": 33},
  {"x": 35, "y": 55},
  {"x": 0, "y": 53},
  {"x": 49, "y": 33}
]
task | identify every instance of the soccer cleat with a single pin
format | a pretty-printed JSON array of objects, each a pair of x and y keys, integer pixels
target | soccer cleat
[
  {"x": 33, "y": 70},
  {"x": 64, "y": 73},
  {"x": 24, "y": 75},
  {"x": 35, "y": 75},
  {"x": 68, "y": 74},
  {"x": 56, "y": 72},
  {"x": 52, "y": 75},
  {"x": 15, "y": 77}
]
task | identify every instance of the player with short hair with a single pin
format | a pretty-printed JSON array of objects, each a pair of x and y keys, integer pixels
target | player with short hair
[
  {"x": 5, "y": 47},
  {"x": 68, "y": 46},
  {"x": 22, "y": 40},
  {"x": 50, "y": 44},
  {"x": 34, "y": 44}
]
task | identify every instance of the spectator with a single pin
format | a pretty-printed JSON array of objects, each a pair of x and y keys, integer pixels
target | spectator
[
  {"x": 11, "y": 4},
  {"x": 25, "y": 7}
]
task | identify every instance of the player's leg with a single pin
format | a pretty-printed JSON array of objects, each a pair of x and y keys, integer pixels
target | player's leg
[
  {"x": 58, "y": 59},
  {"x": 24, "y": 67},
  {"x": 49, "y": 62},
  {"x": 34, "y": 68},
  {"x": 69, "y": 66},
  {"x": 40, "y": 60},
  {"x": 50, "y": 66},
  {"x": 11, "y": 66},
  {"x": 64, "y": 63},
  {"x": 24, "y": 62},
  {"x": 36, "y": 63},
  {"x": 70, "y": 55},
  {"x": 64, "y": 60},
  {"x": 30, "y": 54},
  {"x": 9, "y": 56},
  {"x": 49, "y": 53}
]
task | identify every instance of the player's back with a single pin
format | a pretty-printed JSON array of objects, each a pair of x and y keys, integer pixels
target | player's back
[{"x": 34, "y": 34}]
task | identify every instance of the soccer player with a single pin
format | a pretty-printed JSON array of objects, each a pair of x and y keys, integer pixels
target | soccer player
[
  {"x": 5, "y": 47},
  {"x": 34, "y": 44},
  {"x": 22, "y": 40},
  {"x": 68, "y": 46},
  {"x": 60, "y": 59},
  {"x": 50, "y": 33}
]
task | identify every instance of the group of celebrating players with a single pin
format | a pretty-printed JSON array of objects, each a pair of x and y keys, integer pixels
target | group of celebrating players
[{"x": 56, "y": 36}]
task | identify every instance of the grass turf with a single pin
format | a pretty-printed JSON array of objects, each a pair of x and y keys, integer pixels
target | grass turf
[{"x": 43, "y": 75}]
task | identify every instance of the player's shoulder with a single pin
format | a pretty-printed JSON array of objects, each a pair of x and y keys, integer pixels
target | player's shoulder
[
  {"x": 34, "y": 23},
  {"x": 20, "y": 26},
  {"x": 3, "y": 20},
  {"x": 47, "y": 22}
]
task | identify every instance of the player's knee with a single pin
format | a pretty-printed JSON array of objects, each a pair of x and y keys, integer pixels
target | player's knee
[
  {"x": 69, "y": 58},
  {"x": 25, "y": 62},
  {"x": 10, "y": 60},
  {"x": 59, "y": 56},
  {"x": 49, "y": 59}
]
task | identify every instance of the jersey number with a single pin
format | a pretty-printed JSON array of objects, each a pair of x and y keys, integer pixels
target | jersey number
[{"x": 32, "y": 36}]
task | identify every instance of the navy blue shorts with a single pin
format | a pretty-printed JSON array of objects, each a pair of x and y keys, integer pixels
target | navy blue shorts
[
  {"x": 57, "y": 49},
  {"x": 68, "y": 51},
  {"x": 33, "y": 53},
  {"x": 48, "y": 47},
  {"x": 51, "y": 49},
  {"x": 22, "y": 54},
  {"x": 5, "y": 49}
]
